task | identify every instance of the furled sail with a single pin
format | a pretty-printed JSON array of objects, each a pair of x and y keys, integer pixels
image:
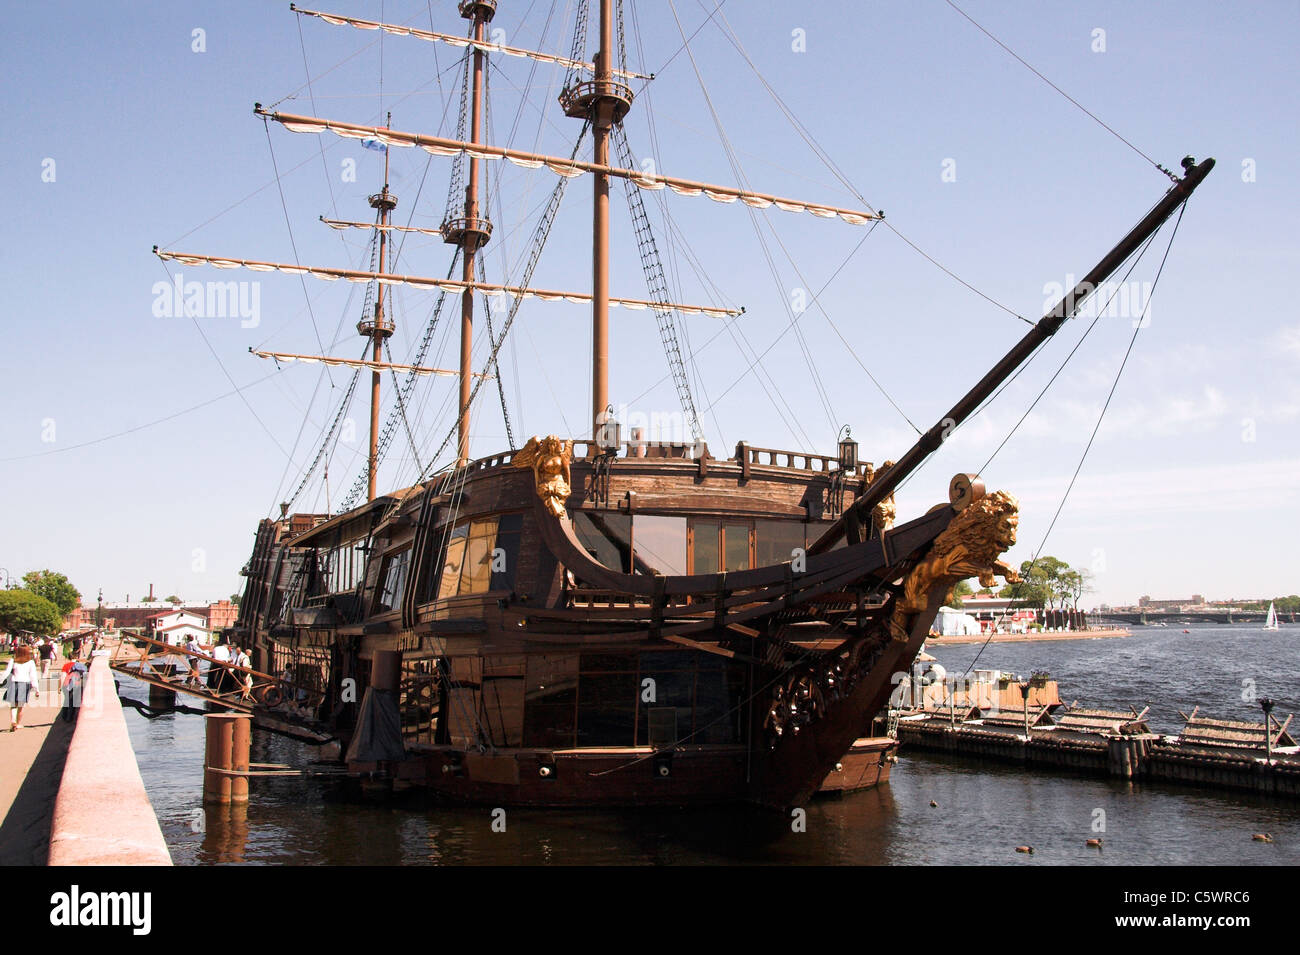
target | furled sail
[
  {"x": 441, "y": 146},
  {"x": 451, "y": 39},
  {"x": 341, "y": 224},
  {"x": 288, "y": 357},
  {"x": 437, "y": 284}
]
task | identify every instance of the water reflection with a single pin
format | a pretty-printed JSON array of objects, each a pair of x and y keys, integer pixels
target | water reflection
[
  {"x": 984, "y": 809},
  {"x": 225, "y": 833}
]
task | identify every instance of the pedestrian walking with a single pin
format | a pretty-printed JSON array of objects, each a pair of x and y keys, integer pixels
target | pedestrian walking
[
  {"x": 246, "y": 678},
  {"x": 217, "y": 672},
  {"x": 72, "y": 682},
  {"x": 46, "y": 651},
  {"x": 21, "y": 676},
  {"x": 193, "y": 646}
]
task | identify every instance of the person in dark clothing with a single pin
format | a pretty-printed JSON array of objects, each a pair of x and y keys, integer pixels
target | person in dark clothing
[{"x": 72, "y": 682}]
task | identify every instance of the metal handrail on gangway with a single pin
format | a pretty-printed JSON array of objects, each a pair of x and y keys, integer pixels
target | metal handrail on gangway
[{"x": 270, "y": 699}]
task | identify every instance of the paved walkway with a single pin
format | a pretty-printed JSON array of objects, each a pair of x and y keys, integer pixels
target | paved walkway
[{"x": 31, "y": 768}]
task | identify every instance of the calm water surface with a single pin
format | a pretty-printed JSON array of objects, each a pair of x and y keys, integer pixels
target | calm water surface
[{"x": 984, "y": 810}]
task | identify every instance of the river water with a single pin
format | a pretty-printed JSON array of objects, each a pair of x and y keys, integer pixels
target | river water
[{"x": 984, "y": 809}]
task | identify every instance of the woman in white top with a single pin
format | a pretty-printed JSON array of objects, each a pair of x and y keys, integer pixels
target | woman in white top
[{"x": 21, "y": 674}]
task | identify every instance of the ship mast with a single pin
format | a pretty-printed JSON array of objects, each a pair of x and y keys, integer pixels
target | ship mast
[
  {"x": 378, "y": 329},
  {"x": 471, "y": 232},
  {"x": 603, "y": 119},
  {"x": 604, "y": 101}
]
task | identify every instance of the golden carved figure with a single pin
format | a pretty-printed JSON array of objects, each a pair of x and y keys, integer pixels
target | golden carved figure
[
  {"x": 884, "y": 513},
  {"x": 549, "y": 458},
  {"x": 970, "y": 546}
]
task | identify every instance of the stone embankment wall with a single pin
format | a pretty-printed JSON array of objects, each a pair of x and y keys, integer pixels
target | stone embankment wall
[{"x": 102, "y": 815}]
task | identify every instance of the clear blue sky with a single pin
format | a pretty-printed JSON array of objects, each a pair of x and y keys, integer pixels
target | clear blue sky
[{"x": 1191, "y": 485}]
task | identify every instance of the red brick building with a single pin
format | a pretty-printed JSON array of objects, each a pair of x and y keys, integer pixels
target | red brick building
[{"x": 142, "y": 614}]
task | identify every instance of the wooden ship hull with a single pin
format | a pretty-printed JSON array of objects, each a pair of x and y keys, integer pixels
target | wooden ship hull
[{"x": 562, "y": 680}]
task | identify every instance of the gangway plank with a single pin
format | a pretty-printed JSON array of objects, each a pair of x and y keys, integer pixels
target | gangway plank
[{"x": 271, "y": 701}]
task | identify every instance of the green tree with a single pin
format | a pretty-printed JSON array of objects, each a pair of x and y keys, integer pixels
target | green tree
[
  {"x": 1076, "y": 582},
  {"x": 24, "y": 610},
  {"x": 234, "y": 599},
  {"x": 960, "y": 589},
  {"x": 1034, "y": 588},
  {"x": 55, "y": 588},
  {"x": 173, "y": 599}
]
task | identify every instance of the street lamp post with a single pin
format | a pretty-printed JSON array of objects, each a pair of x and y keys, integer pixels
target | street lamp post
[{"x": 99, "y": 611}]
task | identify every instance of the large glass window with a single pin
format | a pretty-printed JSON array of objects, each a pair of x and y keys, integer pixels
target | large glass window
[
  {"x": 607, "y": 537},
  {"x": 660, "y": 544},
  {"x": 391, "y": 581},
  {"x": 343, "y": 566},
  {"x": 453, "y": 561},
  {"x": 550, "y": 696},
  {"x": 735, "y": 540},
  {"x": 477, "y": 573},
  {"x": 775, "y": 541},
  {"x": 480, "y": 556},
  {"x": 705, "y": 547},
  {"x": 603, "y": 699},
  {"x": 506, "y": 553},
  {"x": 607, "y": 699}
]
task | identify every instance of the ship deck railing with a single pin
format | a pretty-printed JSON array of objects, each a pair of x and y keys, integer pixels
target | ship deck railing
[{"x": 746, "y": 456}]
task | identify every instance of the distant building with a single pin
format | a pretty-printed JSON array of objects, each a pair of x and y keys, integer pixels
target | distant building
[
  {"x": 1147, "y": 603},
  {"x": 177, "y": 626},
  {"x": 1000, "y": 613},
  {"x": 221, "y": 615},
  {"x": 137, "y": 615}
]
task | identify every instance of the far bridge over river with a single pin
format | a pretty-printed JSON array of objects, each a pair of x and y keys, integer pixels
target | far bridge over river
[{"x": 1171, "y": 617}]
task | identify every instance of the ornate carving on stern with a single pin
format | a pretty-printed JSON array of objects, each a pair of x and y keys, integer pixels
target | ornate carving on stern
[
  {"x": 806, "y": 694},
  {"x": 970, "y": 546},
  {"x": 549, "y": 458}
]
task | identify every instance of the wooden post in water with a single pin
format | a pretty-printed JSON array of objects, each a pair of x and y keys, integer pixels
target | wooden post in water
[
  {"x": 1267, "y": 706},
  {"x": 229, "y": 736}
]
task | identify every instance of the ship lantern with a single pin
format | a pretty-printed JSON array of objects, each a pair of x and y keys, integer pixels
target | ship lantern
[
  {"x": 848, "y": 451},
  {"x": 608, "y": 431}
]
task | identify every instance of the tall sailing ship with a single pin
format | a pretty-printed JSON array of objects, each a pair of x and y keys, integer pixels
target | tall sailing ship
[{"x": 598, "y": 619}]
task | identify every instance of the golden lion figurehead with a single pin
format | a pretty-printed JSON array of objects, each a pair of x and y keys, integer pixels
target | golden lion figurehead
[
  {"x": 970, "y": 546},
  {"x": 980, "y": 534}
]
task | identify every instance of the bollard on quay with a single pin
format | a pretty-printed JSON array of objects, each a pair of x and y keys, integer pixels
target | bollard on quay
[{"x": 225, "y": 775}]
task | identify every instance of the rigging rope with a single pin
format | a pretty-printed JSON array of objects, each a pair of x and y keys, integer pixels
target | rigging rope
[
  {"x": 401, "y": 408},
  {"x": 657, "y": 285},
  {"x": 1091, "y": 115},
  {"x": 329, "y": 435},
  {"x": 540, "y": 234},
  {"x": 835, "y": 170},
  {"x": 492, "y": 340},
  {"x": 1100, "y": 417},
  {"x": 404, "y": 394},
  {"x": 573, "y": 75},
  {"x": 266, "y": 127},
  {"x": 796, "y": 428}
]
